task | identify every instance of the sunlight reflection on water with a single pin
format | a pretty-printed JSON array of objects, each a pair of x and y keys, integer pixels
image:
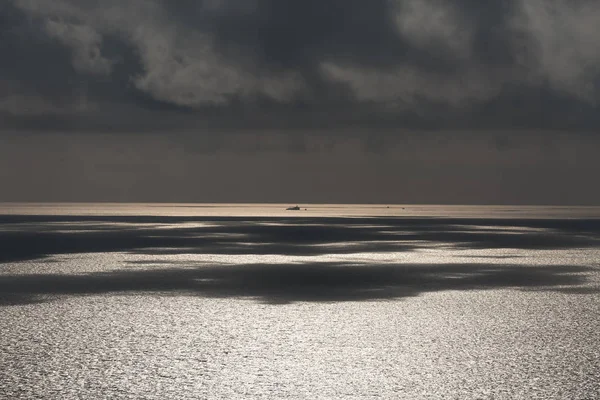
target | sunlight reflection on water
[{"x": 299, "y": 309}]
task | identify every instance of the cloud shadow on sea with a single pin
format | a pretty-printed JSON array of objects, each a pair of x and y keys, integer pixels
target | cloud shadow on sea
[
  {"x": 35, "y": 237},
  {"x": 287, "y": 283},
  {"x": 45, "y": 239}
]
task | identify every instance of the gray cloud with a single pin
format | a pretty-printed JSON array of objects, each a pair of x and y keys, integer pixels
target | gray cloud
[
  {"x": 568, "y": 53},
  {"x": 431, "y": 64},
  {"x": 85, "y": 44}
]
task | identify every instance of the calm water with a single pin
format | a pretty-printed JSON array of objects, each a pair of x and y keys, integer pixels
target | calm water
[{"x": 252, "y": 301}]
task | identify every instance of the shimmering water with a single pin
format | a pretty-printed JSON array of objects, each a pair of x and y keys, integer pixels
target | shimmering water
[{"x": 252, "y": 301}]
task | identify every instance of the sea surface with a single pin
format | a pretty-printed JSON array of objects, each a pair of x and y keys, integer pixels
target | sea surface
[{"x": 251, "y": 301}]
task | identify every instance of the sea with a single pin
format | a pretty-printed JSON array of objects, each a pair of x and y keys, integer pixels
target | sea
[{"x": 254, "y": 301}]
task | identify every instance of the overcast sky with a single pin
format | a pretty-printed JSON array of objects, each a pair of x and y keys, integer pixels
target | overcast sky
[{"x": 386, "y": 101}]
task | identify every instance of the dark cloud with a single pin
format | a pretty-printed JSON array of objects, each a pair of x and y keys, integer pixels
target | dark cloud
[
  {"x": 405, "y": 63},
  {"x": 469, "y": 101}
]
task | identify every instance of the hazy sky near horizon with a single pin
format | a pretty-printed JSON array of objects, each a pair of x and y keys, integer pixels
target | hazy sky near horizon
[{"x": 390, "y": 101}]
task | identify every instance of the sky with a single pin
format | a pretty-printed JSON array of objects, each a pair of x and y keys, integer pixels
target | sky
[{"x": 300, "y": 101}]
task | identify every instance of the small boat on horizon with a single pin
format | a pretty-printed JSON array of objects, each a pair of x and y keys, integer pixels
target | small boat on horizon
[{"x": 293, "y": 208}]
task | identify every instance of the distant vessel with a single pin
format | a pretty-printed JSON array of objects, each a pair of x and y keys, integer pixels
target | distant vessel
[{"x": 293, "y": 208}]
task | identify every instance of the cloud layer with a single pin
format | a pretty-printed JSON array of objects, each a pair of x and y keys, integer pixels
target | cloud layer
[{"x": 68, "y": 64}]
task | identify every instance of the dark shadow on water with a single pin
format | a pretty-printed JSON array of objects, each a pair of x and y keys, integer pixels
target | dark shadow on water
[
  {"x": 46, "y": 238},
  {"x": 35, "y": 237},
  {"x": 282, "y": 284}
]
